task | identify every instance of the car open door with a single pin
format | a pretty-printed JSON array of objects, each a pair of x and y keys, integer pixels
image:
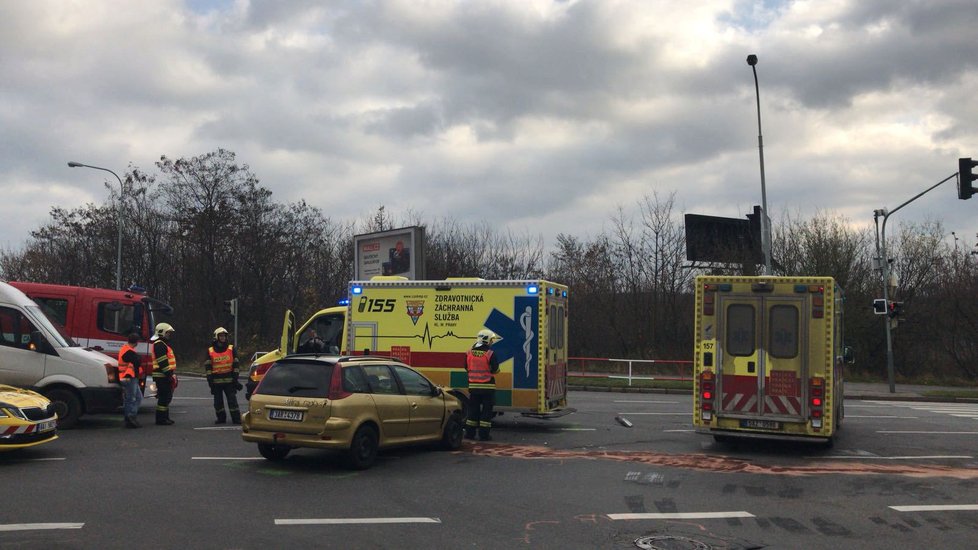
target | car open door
[{"x": 287, "y": 344}]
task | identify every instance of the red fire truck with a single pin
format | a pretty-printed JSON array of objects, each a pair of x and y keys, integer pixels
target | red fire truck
[{"x": 100, "y": 319}]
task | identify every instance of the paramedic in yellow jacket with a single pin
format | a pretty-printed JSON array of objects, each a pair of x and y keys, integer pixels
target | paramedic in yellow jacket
[
  {"x": 221, "y": 367},
  {"x": 481, "y": 364},
  {"x": 164, "y": 372}
]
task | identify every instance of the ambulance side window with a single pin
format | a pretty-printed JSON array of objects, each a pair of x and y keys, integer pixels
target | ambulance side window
[
  {"x": 783, "y": 337},
  {"x": 740, "y": 330}
]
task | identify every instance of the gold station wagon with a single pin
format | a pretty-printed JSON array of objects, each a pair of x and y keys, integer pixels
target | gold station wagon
[{"x": 356, "y": 404}]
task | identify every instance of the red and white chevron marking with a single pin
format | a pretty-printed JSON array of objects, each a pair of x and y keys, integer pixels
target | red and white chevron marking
[
  {"x": 782, "y": 404},
  {"x": 30, "y": 428}
]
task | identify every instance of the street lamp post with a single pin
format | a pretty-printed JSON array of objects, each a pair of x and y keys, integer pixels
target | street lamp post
[
  {"x": 118, "y": 259},
  {"x": 765, "y": 220}
]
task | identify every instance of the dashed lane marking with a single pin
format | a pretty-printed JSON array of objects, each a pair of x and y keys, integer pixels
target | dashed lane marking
[
  {"x": 873, "y": 457},
  {"x": 935, "y": 507},
  {"x": 848, "y": 416},
  {"x": 36, "y": 526},
  {"x": 923, "y": 432},
  {"x": 354, "y": 521},
  {"x": 682, "y": 515},
  {"x": 652, "y": 402},
  {"x": 226, "y": 458},
  {"x": 219, "y": 428}
]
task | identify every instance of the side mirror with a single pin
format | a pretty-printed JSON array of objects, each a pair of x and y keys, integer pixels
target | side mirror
[
  {"x": 39, "y": 343},
  {"x": 848, "y": 356},
  {"x": 437, "y": 391}
]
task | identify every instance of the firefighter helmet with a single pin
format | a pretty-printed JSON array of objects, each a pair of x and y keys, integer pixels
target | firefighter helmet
[
  {"x": 485, "y": 336},
  {"x": 163, "y": 328},
  {"x": 219, "y": 331}
]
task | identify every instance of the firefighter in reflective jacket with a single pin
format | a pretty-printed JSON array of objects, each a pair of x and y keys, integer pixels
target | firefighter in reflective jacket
[
  {"x": 481, "y": 364},
  {"x": 164, "y": 372},
  {"x": 221, "y": 367}
]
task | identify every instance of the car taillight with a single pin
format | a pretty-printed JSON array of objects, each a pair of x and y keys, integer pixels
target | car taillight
[
  {"x": 816, "y": 401},
  {"x": 336, "y": 390}
]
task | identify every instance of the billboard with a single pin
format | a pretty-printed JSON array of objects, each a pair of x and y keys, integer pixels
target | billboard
[
  {"x": 728, "y": 240},
  {"x": 395, "y": 252}
]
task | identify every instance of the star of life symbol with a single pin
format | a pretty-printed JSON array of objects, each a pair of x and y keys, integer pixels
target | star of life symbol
[
  {"x": 525, "y": 319},
  {"x": 415, "y": 309}
]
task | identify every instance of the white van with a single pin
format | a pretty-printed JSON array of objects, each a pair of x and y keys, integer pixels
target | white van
[{"x": 34, "y": 354}]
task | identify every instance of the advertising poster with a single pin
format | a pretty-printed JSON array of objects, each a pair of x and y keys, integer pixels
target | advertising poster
[{"x": 397, "y": 252}]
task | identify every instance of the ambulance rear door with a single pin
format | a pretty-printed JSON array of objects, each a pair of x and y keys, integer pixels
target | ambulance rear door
[{"x": 762, "y": 365}]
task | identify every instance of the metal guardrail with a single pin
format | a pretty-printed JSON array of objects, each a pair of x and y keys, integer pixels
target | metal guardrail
[{"x": 630, "y": 369}]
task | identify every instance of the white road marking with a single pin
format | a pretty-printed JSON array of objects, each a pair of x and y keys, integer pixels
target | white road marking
[
  {"x": 353, "y": 521},
  {"x": 236, "y": 428},
  {"x": 33, "y": 526},
  {"x": 51, "y": 459},
  {"x": 653, "y": 414},
  {"x": 874, "y": 457},
  {"x": 935, "y": 507},
  {"x": 923, "y": 432},
  {"x": 848, "y": 416},
  {"x": 226, "y": 458},
  {"x": 682, "y": 515}
]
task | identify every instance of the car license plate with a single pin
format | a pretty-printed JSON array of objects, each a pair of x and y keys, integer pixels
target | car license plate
[
  {"x": 47, "y": 426},
  {"x": 282, "y": 414},
  {"x": 762, "y": 424}
]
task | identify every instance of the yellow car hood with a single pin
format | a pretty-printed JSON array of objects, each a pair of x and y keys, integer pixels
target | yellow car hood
[{"x": 22, "y": 398}]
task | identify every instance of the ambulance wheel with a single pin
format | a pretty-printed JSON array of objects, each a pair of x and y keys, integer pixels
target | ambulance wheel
[
  {"x": 363, "y": 448},
  {"x": 451, "y": 439},
  {"x": 67, "y": 405},
  {"x": 273, "y": 452}
]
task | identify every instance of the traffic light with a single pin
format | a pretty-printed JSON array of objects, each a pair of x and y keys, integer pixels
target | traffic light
[
  {"x": 896, "y": 309},
  {"x": 879, "y": 306},
  {"x": 231, "y": 306},
  {"x": 965, "y": 177}
]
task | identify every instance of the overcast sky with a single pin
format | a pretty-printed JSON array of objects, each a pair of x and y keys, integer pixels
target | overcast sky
[{"x": 543, "y": 116}]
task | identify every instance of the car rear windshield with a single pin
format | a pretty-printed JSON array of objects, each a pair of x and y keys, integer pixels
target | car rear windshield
[{"x": 297, "y": 379}]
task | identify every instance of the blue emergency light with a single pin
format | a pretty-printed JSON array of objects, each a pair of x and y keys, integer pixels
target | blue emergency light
[
  {"x": 532, "y": 289},
  {"x": 344, "y": 302},
  {"x": 357, "y": 290}
]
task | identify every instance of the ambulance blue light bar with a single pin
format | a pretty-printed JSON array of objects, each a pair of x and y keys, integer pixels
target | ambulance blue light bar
[
  {"x": 357, "y": 290},
  {"x": 344, "y": 302}
]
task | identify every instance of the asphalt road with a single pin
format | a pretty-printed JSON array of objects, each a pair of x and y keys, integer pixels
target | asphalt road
[{"x": 584, "y": 481}]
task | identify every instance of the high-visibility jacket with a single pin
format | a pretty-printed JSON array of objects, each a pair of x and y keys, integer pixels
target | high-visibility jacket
[
  {"x": 163, "y": 365},
  {"x": 126, "y": 369},
  {"x": 220, "y": 364},
  {"x": 477, "y": 363}
]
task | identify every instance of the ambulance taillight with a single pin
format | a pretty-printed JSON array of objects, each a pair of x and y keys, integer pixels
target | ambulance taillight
[
  {"x": 816, "y": 401},
  {"x": 707, "y": 391}
]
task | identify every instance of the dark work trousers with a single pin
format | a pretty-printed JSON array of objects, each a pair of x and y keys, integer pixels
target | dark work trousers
[
  {"x": 164, "y": 394},
  {"x": 481, "y": 402},
  {"x": 222, "y": 391}
]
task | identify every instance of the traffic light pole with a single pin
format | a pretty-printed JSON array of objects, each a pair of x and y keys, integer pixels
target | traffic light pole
[{"x": 885, "y": 266}]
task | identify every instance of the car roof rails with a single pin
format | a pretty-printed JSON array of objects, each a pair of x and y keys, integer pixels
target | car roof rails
[{"x": 367, "y": 357}]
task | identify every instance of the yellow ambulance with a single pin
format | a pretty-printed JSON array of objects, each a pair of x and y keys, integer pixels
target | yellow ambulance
[
  {"x": 768, "y": 358},
  {"x": 429, "y": 325}
]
